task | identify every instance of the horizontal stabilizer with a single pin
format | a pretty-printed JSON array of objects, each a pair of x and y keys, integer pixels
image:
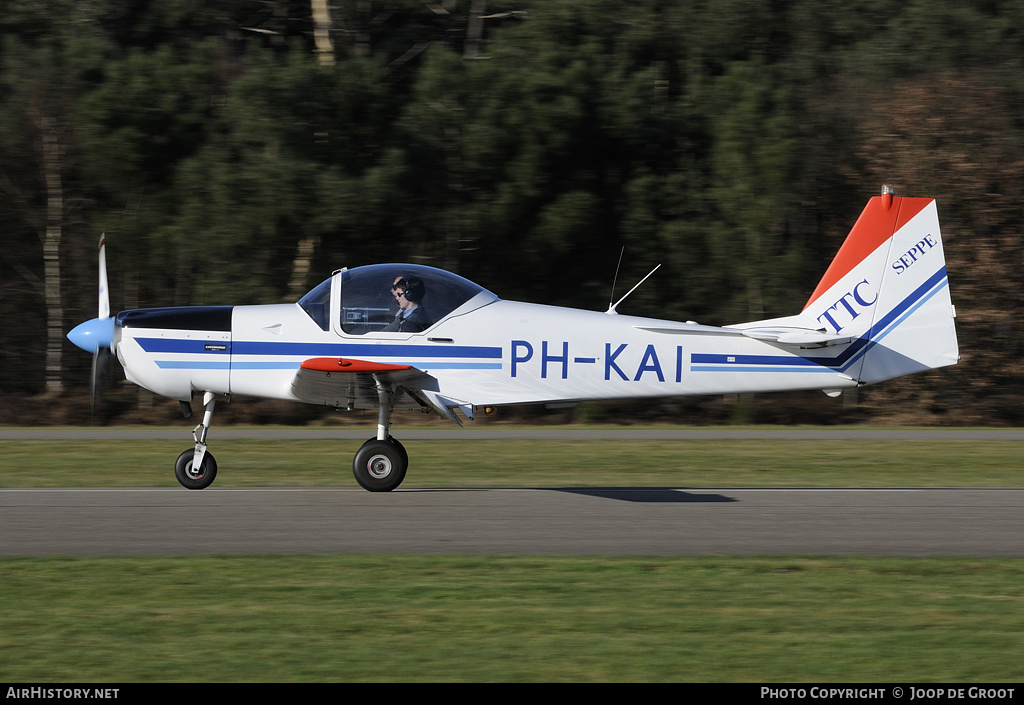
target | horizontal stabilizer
[
  {"x": 689, "y": 329},
  {"x": 797, "y": 337}
]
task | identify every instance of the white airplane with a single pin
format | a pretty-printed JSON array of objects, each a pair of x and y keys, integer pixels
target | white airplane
[{"x": 881, "y": 311}]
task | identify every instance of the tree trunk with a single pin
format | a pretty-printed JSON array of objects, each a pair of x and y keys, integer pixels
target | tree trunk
[
  {"x": 325, "y": 50},
  {"x": 364, "y": 11},
  {"x": 300, "y": 267},
  {"x": 51, "y": 253},
  {"x": 322, "y": 32},
  {"x": 474, "y": 29}
]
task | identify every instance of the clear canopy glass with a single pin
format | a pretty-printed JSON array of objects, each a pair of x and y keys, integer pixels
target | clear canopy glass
[{"x": 369, "y": 305}]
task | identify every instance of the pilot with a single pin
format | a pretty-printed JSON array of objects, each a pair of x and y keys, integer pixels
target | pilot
[{"x": 411, "y": 316}]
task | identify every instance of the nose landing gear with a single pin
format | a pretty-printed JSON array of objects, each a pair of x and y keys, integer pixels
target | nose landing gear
[{"x": 195, "y": 468}]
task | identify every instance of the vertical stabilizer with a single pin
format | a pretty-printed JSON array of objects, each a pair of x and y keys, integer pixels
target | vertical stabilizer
[{"x": 887, "y": 288}]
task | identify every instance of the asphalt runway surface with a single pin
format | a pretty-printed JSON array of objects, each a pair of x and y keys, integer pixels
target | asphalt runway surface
[
  {"x": 661, "y": 521},
  {"x": 547, "y": 522}
]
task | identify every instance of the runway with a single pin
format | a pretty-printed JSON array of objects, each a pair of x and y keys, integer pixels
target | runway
[{"x": 515, "y": 522}]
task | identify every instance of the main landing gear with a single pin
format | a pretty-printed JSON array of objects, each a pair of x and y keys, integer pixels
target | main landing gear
[
  {"x": 379, "y": 466},
  {"x": 381, "y": 462}
]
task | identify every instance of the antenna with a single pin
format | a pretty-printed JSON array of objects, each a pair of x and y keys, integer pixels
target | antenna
[
  {"x": 611, "y": 309},
  {"x": 611, "y": 297}
]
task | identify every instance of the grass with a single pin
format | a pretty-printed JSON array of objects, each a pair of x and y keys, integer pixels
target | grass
[
  {"x": 346, "y": 618},
  {"x": 413, "y": 618},
  {"x": 532, "y": 463}
]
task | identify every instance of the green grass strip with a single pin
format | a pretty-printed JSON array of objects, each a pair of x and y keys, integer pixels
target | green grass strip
[
  {"x": 530, "y": 463},
  {"x": 369, "y": 618}
]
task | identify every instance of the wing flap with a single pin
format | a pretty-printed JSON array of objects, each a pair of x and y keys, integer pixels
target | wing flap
[{"x": 445, "y": 406}]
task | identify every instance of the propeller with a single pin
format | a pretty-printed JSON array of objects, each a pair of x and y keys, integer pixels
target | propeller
[
  {"x": 97, "y": 335},
  {"x": 102, "y": 355}
]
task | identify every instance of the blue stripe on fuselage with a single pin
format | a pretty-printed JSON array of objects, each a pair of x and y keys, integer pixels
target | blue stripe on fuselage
[
  {"x": 426, "y": 365},
  {"x": 195, "y": 365},
  {"x": 365, "y": 350},
  {"x": 408, "y": 354},
  {"x": 189, "y": 346},
  {"x": 193, "y": 346}
]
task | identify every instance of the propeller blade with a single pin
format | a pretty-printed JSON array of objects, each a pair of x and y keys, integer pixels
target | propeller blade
[
  {"x": 104, "y": 311},
  {"x": 97, "y": 335},
  {"x": 99, "y": 372}
]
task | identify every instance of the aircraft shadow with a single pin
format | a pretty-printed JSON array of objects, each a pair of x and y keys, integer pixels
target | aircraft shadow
[{"x": 645, "y": 494}]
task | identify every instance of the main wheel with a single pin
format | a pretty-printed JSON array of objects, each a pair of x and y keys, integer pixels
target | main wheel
[
  {"x": 193, "y": 478},
  {"x": 379, "y": 466},
  {"x": 397, "y": 444}
]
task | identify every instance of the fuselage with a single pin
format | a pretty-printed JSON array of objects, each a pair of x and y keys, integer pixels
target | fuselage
[
  {"x": 480, "y": 350},
  {"x": 500, "y": 352}
]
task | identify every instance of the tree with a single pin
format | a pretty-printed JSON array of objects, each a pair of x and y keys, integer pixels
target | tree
[{"x": 41, "y": 75}]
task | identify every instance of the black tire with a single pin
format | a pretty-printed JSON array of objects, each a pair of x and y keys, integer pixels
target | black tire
[
  {"x": 401, "y": 449},
  {"x": 189, "y": 477},
  {"x": 379, "y": 466}
]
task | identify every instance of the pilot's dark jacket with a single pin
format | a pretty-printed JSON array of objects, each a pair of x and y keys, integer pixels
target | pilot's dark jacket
[{"x": 411, "y": 321}]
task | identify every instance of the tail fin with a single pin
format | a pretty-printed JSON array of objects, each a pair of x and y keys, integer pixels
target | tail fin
[{"x": 887, "y": 289}]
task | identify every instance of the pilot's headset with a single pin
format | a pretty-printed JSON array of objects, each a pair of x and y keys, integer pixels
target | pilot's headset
[{"x": 414, "y": 289}]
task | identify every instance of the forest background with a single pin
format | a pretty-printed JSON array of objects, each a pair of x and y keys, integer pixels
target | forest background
[{"x": 238, "y": 151}]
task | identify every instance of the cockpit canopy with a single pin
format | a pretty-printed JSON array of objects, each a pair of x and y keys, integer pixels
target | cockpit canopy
[{"x": 369, "y": 306}]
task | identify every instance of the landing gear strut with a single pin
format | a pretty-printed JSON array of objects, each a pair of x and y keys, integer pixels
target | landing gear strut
[
  {"x": 379, "y": 465},
  {"x": 381, "y": 462},
  {"x": 196, "y": 469}
]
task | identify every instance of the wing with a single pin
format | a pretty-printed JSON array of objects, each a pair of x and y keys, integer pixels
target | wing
[{"x": 353, "y": 384}]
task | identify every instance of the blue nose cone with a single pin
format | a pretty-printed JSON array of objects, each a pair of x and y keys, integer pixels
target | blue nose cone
[{"x": 93, "y": 335}]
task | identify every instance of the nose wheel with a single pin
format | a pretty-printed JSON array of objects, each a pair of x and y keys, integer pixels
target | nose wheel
[{"x": 195, "y": 477}]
